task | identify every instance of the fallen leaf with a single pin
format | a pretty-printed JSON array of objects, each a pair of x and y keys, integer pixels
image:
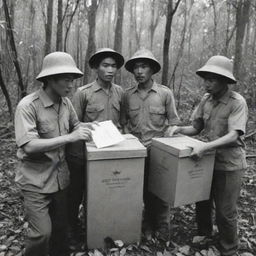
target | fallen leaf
[
  {"x": 185, "y": 250},
  {"x": 198, "y": 239}
]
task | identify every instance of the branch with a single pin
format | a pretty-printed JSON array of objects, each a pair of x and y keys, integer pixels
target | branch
[
  {"x": 176, "y": 7},
  {"x": 250, "y": 135}
]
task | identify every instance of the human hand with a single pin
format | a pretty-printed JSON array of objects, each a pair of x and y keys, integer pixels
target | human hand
[{"x": 172, "y": 130}]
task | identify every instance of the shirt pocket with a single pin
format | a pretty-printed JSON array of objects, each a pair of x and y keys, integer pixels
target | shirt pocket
[
  {"x": 116, "y": 112},
  {"x": 157, "y": 115},
  {"x": 134, "y": 114},
  {"x": 46, "y": 129},
  {"x": 93, "y": 111}
]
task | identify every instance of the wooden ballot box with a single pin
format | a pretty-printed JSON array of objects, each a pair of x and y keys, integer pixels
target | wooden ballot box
[
  {"x": 174, "y": 177},
  {"x": 114, "y": 195}
]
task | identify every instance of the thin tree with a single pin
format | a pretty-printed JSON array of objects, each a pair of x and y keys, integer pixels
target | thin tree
[
  {"x": 59, "y": 36},
  {"x": 171, "y": 9},
  {"x": 13, "y": 50},
  {"x": 242, "y": 18},
  {"x": 6, "y": 95},
  {"x": 119, "y": 34},
  {"x": 91, "y": 47},
  {"x": 69, "y": 24},
  {"x": 48, "y": 17}
]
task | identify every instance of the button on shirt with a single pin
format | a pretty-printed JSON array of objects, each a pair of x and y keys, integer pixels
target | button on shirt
[
  {"x": 217, "y": 118},
  {"x": 37, "y": 117},
  {"x": 149, "y": 114},
  {"x": 93, "y": 103}
]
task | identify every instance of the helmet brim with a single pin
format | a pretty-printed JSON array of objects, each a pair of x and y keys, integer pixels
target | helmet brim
[
  {"x": 129, "y": 65},
  {"x": 98, "y": 57},
  {"x": 216, "y": 70},
  {"x": 59, "y": 70}
]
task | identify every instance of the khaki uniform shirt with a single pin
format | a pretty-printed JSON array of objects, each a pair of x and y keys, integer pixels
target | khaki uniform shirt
[
  {"x": 37, "y": 117},
  {"x": 93, "y": 103},
  {"x": 148, "y": 116},
  {"x": 217, "y": 118}
]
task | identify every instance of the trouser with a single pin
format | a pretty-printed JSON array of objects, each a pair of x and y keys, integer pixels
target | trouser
[
  {"x": 76, "y": 190},
  {"x": 156, "y": 212},
  {"x": 224, "y": 193},
  {"x": 47, "y": 218}
]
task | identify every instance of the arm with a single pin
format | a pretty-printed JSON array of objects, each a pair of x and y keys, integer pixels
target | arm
[
  {"x": 199, "y": 150},
  {"x": 43, "y": 145},
  {"x": 186, "y": 130}
]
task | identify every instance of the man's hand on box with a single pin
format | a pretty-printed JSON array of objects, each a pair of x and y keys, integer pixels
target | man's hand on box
[
  {"x": 172, "y": 130},
  {"x": 198, "y": 152}
]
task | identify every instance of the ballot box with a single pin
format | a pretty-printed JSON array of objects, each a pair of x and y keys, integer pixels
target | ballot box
[
  {"x": 114, "y": 194},
  {"x": 174, "y": 176}
]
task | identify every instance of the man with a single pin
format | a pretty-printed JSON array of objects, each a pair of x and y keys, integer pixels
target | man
[
  {"x": 100, "y": 100},
  {"x": 222, "y": 115},
  {"x": 43, "y": 121},
  {"x": 150, "y": 110}
]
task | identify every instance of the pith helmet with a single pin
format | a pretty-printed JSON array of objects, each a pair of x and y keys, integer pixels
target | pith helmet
[
  {"x": 103, "y": 53},
  {"x": 57, "y": 63},
  {"x": 143, "y": 54},
  {"x": 219, "y": 65}
]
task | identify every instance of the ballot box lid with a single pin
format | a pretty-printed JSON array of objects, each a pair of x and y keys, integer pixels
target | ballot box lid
[
  {"x": 180, "y": 145},
  {"x": 129, "y": 148}
]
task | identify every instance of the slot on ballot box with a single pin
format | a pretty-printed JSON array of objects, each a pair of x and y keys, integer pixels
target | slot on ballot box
[
  {"x": 114, "y": 195},
  {"x": 174, "y": 176}
]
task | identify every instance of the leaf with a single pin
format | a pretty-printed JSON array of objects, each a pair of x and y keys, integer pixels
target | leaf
[
  {"x": 119, "y": 243},
  {"x": 145, "y": 248},
  {"x": 123, "y": 252},
  {"x": 159, "y": 254},
  {"x": 198, "y": 239},
  {"x": 97, "y": 253},
  {"x": 185, "y": 250}
]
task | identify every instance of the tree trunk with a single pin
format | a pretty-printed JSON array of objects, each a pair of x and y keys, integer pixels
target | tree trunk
[
  {"x": 48, "y": 27},
  {"x": 59, "y": 27},
  {"x": 6, "y": 95},
  {"x": 91, "y": 47},
  {"x": 242, "y": 17},
  {"x": 119, "y": 34},
  {"x": 214, "y": 27},
  {"x": 14, "y": 51},
  {"x": 167, "y": 38},
  {"x": 69, "y": 25}
]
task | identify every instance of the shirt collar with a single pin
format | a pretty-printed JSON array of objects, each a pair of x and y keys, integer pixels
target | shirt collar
[
  {"x": 46, "y": 100},
  {"x": 97, "y": 87},
  {"x": 153, "y": 88}
]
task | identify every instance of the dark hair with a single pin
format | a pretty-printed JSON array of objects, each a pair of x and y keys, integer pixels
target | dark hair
[{"x": 98, "y": 60}]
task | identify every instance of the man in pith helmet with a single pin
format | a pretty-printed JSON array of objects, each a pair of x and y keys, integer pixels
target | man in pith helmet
[
  {"x": 43, "y": 121},
  {"x": 150, "y": 111},
  {"x": 100, "y": 100},
  {"x": 222, "y": 115}
]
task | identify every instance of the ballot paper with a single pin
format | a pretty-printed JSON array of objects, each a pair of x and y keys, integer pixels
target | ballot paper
[{"x": 106, "y": 134}]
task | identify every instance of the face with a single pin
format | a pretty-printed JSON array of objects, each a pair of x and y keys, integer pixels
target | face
[
  {"x": 214, "y": 84},
  {"x": 142, "y": 72},
  {"x": 106, "y": 69},
  {"x": 61, "y": 84}
]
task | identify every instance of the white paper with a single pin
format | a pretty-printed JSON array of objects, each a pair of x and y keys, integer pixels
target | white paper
[{"x": 106, "y": 134}]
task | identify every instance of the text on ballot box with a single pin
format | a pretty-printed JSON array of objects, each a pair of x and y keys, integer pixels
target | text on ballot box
[
  {"x": 174, "y": 176},
  {"x": 114, "y": 195}
]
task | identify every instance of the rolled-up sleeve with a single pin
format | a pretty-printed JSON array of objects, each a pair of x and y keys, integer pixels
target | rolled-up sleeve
[
  {"x": 25, "y": 125},
  {"x": 172, "y": 115},
  {"x": 238, "y": 117}
]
